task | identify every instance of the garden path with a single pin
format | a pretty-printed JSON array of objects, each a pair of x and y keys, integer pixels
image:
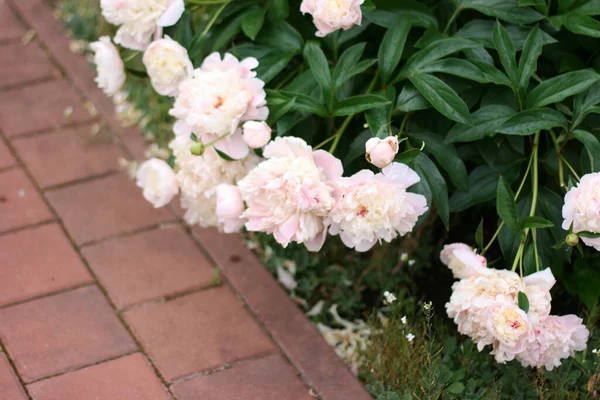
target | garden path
[{"x": 103, "y": 297}]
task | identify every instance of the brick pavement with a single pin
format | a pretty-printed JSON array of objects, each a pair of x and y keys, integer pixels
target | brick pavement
[{"x": 103, "y": 297}]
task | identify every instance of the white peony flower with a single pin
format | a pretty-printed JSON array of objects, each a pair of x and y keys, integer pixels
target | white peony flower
[
  {"x": 582, "y": 208},
  {"x": 511, "y": 329},
  {"x": 331, "y": 15},
  {"x": 167, "y": 64},
  {"x": 111, "y": 70},
  {"x": 220, "y": 95},
  {"x": 375, "y": 207},
  {"x": 463, "y": 261},
  {"x": 158, "y": 181},
  {"x": 199, "y": 176},
  {"x": 140, "y": 19},
  {"x": 230, "y": 208},
  {"x": 289, "y": 195}
]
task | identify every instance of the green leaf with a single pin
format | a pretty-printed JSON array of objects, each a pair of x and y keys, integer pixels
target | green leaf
[
  {"x": 582, "y": 25},
  {"x": 557, "y": 89},
  {"x": 411, "y": 100},
  {"x": 537, "y": 222},
  {"x": 446, "y": 156},
  {"x": 435, "y": 51},
  {"x": 357, "y": 104},
  {"x": 529, "y": 122},
  {"x": 482, "y": 31},
  {"x": 528, "y": 60},
  {"x": 492, "y": 73},
  {"x": 348, "y": 59},
  {"x": 506, "y": 10},
  {"x": 429, "y": 172},
  {"x": 479, "y": 235},
  {"x": 317, "y": 62},
  {"x": 588, "y": 235},
  {"x": 357, "y": 147},
  {"x": 506, "y": 50},
  {"x": 379, "y": 119},
  {"x": 305, "y": 103},
  {"x": 442, "y": 97},
  {"x": 282, "y": 36},
  {"x": 523, "y": 302},
  {"x": 454, "y": 66},
  {"x": 387, "y": 12},
  {"x": 456, "y": 388},
  {"x": 584, "y": 103},
  {"x": 279, "y": 10},
  {"x": 272, "y": 64},
  {"x": 589, "y": 7},
  {"x": 592, "y": 144},
  {"x": 407, "y": 156},
  {"x": 392, "y": 47},
  {"x": 227, "y": 32},
  {"x": 483, "y": 183},
  {"x": 253, "y": 22},
  {"x": 505, "y": 205},
  {"x": 278, "y": 107},
  {"x": 171, "y": 161}
]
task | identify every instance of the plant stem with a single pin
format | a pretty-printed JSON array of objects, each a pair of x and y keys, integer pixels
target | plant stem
[
  {"x": 452, "y": 18},
  {"x": 570, "y": 168},
  {"x": 340, "y": 132},
  {"x": 215, "y": 16},
  {"x": 131, "y": 57},
  {"x": 561, "y": 171}
]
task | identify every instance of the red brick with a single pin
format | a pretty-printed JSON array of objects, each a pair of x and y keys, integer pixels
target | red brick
[
  {"x": 39, "y": 107},
  {"x": 46, "y": 264},
  {"x": 61, "y": 332},
  {"x": 148, "y": 265},
  {"x": 10, "y": 27},
  {"x": 198, "y": 332},
  {"x": 24, "y": 63},
  {"x": 6, "y": 158},
  {"x": 104, "y": 207},
  {"x": 87, "y": 156},
  {"x": 10, "y": 388},
  {"x": 20, "y": 204},
  {"x": 128, "y": 378},
  {"x": 134, "y": 142},
  {"x": 269, "y": 378}
]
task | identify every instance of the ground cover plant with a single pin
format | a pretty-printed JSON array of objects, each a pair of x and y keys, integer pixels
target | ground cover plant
[{"x": 361, "y": 144}]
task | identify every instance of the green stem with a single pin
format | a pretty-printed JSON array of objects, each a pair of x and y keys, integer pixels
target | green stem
[
  {"x": 570, "y": 168},
  {"x": 215, "y": 16},
  {"x": 289, "y": 77},
  {"x": 131, "y": 57},
  {"x": 340, "y": 132},
  {"x": 452, "y": 18},
  {"x": 561, "y": 170},
  {"x": 324, "y": 142}
]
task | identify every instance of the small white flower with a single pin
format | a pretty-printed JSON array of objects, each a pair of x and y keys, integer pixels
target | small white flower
[
  {"x": 410, "y": 337},
  {"x": 403, "y": 257},
  {"x": 403, "y": 319},
  {"x": 389, "y": 298},
  {"x": 411, "y": 262},
  {"x": 427, "y": 306},
  {"x": 595, "y": 351}
]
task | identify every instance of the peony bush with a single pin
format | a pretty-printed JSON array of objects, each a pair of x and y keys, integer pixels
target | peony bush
[{"x": 373, "y": 120}]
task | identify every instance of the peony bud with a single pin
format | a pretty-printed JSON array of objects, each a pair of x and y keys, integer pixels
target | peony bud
[
  {"x": 230, "y": 208},
  {"x": 572, "y": 239},
  {"x": 256, "y": 134},
  {"x": 381, "y": 152},
  {"x": 167, "y": 64},
  {"x": 159, "y": 182},
  {"x": 329, "y": 16},
  {"x": 197, "y": 149}
]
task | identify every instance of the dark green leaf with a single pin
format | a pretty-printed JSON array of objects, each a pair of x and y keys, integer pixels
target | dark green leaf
[
  {"x": 348, "y": 59},
  {"x": 481, "y": 31},
  {"x": 253, "y": 22},
  {"x": 306, "y": 103},
  {"x": 557, "y": 89},
  {"x": 407, "y": 156},
  {"x": 379, "y": 119},
  {"x": 523, "y": 302},
  {"x": 357, "y": 147},
  {"x": 227, "y": 32},
  {"x": 392, "y": 47},
  {"x": 272, "y": 64},
  {"x": 536, "y": 222},
  {"x": 386, "y": 14},
  {"x": 171, "y": 161},
  {"x": 317, "y": 62},
  {"x": 582, "y": 25},
  {"x": 278, "y": 107},
  {"x": 456, "y": 388},
  {"x": 281, "y": 35},
  {"x": 445, "y": 155},
  {"x": 435, "y": 51},
  {"x": 506, "y": 50},
  {"x": 411, "y": 100},
  {"x": 442, "y": 97},
  {"x": 592, "y": 144},
  {"x": 528, "y": 60},
  {"x": 529, "y": 122},
  {"x": 357, "y": 104},
  {"x": 278, "y": 10},
  {"x": 458, "y": 67},
  {"x": 506, "y": 10},
  {"x": 588, "y": 235},
  {"x": 479, "y": 235},
  {"x": 584, "y": 103},
  {"x": 483, "y": 182},
  {"x": 505, "y": 205},
  {"x": 429, "y": 172}
]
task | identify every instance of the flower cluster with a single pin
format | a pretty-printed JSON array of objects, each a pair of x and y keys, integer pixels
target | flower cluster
[{"x": 485, "y": 306}]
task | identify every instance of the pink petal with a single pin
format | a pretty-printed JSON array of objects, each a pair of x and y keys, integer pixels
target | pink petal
[
  {"x": 331, "y": 166},
  {"x": 172, "y": 14}
]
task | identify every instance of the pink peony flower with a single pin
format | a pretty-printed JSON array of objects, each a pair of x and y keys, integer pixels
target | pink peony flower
[
  {"x": 537, "y": 289},
  {"x": 167, "y": 64},
  {"x": 555, "y": 338},
  {"x": 290, "y": 194},
  {"x": 221, "y": 94},
  {"x": 511, "y": 329},
  {"x": 331, "y": 15},
  {"x": 463, "y": 261},
  {"x": 138, "y": 20},
  {"x": 256, "y": 134},
  {"x": 380, "y": 152},
  {"x": 111, "y": 70},
  {"x": 158, "y": 181},
  {"x": 230, "y": 208},
  {"x": 374, "y": 207},
  {"x": 582, "y": 208}
]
